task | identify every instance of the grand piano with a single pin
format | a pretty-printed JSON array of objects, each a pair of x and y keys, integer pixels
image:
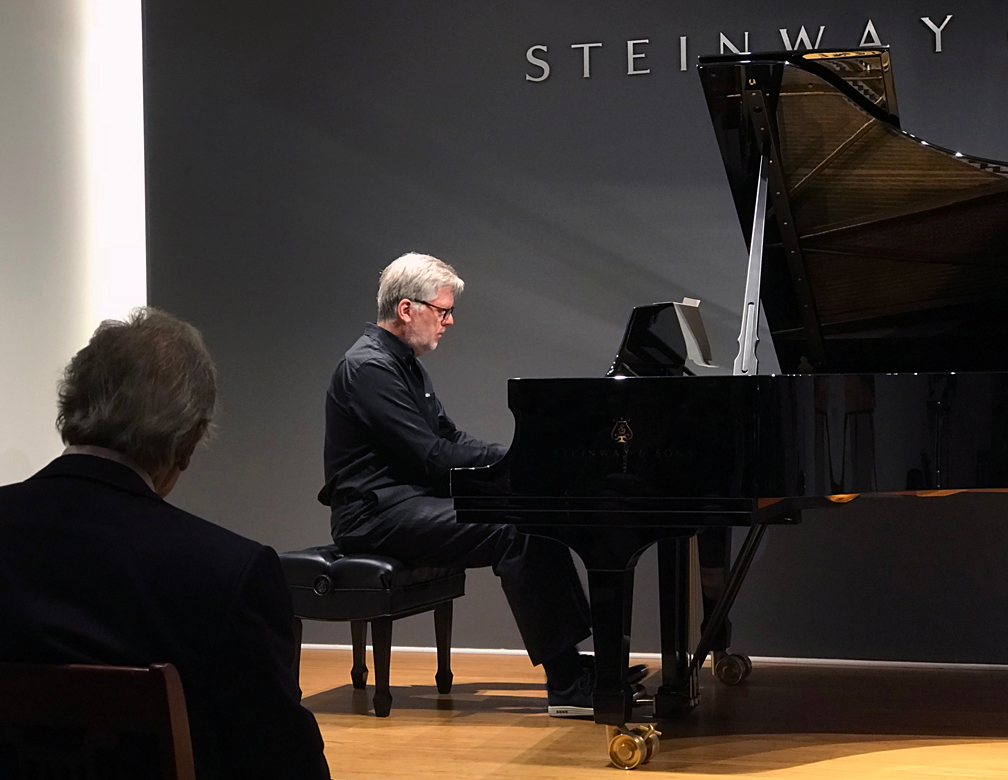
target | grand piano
[{"x": 879, "y": 261}]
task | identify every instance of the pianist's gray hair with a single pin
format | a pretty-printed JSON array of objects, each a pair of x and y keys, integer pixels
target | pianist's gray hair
[
  {"x": 416, "y": 277},
  {"x": 145, "y": 387}
]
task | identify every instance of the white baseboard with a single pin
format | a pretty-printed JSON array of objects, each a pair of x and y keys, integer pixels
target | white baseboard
[{"x": 841, "y": 662}]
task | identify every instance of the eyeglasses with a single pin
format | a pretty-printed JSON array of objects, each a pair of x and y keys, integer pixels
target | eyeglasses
[{"x": 445, "y": 313}]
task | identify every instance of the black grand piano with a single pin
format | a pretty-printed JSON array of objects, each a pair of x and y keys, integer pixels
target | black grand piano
[{"x": 881, "y": 263}]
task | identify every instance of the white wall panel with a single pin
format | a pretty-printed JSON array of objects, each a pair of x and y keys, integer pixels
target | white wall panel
[{"x": 71, "y": 201}]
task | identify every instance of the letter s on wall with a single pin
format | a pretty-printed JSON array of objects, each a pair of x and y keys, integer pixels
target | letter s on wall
[{"x": 530, "y": 56}]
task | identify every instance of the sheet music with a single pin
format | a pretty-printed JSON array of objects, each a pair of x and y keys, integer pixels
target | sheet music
[{"x": 694, "y": 333}]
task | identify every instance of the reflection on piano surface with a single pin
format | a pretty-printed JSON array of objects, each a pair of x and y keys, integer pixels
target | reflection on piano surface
[{"x": 879, "y": 262}]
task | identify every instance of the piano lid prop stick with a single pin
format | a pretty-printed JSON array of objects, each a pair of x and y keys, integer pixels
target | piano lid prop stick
[{"x": 746, "y": 361}]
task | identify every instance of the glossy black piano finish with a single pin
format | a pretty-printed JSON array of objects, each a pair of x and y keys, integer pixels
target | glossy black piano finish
[
  {"x": 588, "y": 450},
  {"x": 885, "y": 287},
  {"x": 581, "y": 442},
  {"x": 653, "y": 344},
  {"x": 610, "y": 466}
]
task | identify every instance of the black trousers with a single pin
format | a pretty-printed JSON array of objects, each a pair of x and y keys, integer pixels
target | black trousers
[{"x": 537, "y": 574}]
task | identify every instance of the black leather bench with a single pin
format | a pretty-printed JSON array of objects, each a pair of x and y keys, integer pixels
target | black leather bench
[{"x": 375, "y": 589}]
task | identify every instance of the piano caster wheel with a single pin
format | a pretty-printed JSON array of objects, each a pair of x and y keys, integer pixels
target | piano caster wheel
[
  {"x": 626, "y": 749},
  {"x": 650, "y": 736},
  {"x": 748, "y": 664},
  {"x": 731, "y": 669}
]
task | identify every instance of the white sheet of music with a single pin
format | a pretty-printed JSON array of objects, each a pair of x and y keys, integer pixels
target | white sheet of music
[{"x": 695, "y": 334}]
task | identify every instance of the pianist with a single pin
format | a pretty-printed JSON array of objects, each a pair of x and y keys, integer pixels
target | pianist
[
  {"x": 389, "y": 447},
  {"x": 97, "y": 568}
]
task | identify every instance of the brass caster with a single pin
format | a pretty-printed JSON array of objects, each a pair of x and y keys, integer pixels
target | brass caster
[
  {"x": 650, "y": 735},
  {"x": 626, "y": 750},
  {"x": 730, "y": 669}
]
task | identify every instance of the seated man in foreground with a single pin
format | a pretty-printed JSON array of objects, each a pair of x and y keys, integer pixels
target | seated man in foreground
[
  {"x": 98, "y": 569},
  {"x": 389, "y": 448}
]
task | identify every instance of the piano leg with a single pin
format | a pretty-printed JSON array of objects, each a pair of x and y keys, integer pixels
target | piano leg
[
  {"x": 679, "y": 692},
  {"x": 611, "y": 595},
  {"x": 715, "y": 548}
]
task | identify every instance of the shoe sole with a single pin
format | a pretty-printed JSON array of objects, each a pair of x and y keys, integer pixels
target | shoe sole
[{"x": 565, "y": 711}]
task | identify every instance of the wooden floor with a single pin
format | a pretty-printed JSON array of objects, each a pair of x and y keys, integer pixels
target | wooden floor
[{"x": 785, "y": 721}]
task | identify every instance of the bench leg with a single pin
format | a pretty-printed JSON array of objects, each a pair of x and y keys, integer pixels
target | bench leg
[
  {"x": 298, "y": 628},
  {"x": 442, "y": 636},
  {"x": 358, "y": 636},
  {"x": 381, "y": 642}
]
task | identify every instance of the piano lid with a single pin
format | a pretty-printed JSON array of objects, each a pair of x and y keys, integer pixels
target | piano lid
[{"x": 881, "y": 252}]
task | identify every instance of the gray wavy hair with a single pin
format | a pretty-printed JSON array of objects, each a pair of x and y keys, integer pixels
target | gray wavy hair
[
  {"x": 414, "y": 276},
  {"x": 145, "y": 387}
]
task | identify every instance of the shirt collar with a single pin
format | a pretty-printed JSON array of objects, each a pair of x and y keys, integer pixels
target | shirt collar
[
  {"x": 105, "y": 452},
  {"x": 390, "y": 341}
]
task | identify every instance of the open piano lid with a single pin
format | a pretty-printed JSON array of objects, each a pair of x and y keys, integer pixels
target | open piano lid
[{"x": 882, "y": 253}]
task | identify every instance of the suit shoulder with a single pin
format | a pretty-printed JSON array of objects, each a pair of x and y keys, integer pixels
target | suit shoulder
[
  {"x": 212, "y": 531},
  {"x": 212, "y": 538}
]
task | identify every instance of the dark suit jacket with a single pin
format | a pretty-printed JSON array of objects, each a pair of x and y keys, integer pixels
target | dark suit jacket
[{"x": 96, "y": 568}]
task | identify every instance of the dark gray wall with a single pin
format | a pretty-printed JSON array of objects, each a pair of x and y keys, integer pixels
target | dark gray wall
[{"x": 293, "y": 149}]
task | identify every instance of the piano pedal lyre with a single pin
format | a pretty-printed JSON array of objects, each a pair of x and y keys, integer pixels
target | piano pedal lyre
[{"x": 630, "y": 747}]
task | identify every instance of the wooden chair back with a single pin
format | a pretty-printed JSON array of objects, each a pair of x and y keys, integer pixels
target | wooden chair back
[{"x": 79, "y": 721}]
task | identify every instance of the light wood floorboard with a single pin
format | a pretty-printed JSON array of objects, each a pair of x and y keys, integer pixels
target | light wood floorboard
[{"x": 786, "y": 721}]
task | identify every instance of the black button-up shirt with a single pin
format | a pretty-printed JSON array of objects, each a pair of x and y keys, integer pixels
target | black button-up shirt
[{"x": 387, "y": 435}]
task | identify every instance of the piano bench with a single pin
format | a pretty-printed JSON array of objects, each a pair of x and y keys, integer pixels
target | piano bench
[{"x": 325, "y": 584}]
